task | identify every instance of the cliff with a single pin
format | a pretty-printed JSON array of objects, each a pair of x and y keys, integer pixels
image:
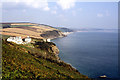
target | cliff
[
  {"x": 52, "y": 34},
  {"x": 37, "y": 60}
]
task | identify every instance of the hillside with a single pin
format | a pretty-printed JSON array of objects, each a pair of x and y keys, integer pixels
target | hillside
[
  {"x": 31, "y": 29},
  {"x": 64, "y": 29},
  {"x": 35, "y": 61}
]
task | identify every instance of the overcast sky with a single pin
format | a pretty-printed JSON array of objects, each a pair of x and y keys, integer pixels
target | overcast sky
[{"x": 62, "y": 13}]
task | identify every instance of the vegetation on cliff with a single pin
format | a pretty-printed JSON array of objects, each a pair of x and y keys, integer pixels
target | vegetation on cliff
[
  {"x": 37, "y": 59},
  {"x": 35, "y": 62}
]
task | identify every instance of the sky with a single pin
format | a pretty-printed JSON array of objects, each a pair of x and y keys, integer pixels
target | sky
[{"x": 62, "y": 13}]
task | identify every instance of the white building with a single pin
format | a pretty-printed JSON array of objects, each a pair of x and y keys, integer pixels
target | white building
[
  {"x": 18, "y": 40},
  {"x": 46, "y": 40},
  {"x": 28, "y": 39}
]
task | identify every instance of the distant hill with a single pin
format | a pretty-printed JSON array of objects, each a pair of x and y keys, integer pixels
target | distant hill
[
  {"x": 64, "y": 29},
  {"x": 96, "y": 30},
  {"x": 30, "y": 29}
]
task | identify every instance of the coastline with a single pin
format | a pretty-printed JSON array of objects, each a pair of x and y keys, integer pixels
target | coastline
[
  {"x": 41, "y": 65},
  {"x": 52, "y": 55},
  {"x": 67, "y": 44},
  {"x": 66, "y": 33}
]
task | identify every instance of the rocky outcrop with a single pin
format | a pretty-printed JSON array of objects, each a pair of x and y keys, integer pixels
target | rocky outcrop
[
  {"x": 49, "y": 49},
  {"x": 52, "y": 34},
  {"x": 55, "y": 50}
]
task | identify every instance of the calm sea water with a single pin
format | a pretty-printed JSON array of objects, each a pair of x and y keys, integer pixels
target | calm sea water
[{"x": 92, "y": 53}]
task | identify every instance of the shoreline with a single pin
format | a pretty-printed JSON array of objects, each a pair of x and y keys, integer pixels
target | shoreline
[
  {"x": 66, "y": 33},
  {"x": 60, "y": 42}
]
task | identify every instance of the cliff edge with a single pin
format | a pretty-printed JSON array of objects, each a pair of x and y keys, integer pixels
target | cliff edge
[{"x": 37, "y": 60}]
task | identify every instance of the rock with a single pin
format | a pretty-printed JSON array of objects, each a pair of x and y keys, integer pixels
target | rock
[
  {"x": 104, "y": 76},
  {"x": 55, "y": 50},
  {"x": 52, "y": 34}
]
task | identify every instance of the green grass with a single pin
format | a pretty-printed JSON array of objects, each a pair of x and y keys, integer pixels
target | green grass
[
  {"x": 4, "y": 36},
  {"x": 19, "y": 63},
  {"x": 20, "y": 25}
]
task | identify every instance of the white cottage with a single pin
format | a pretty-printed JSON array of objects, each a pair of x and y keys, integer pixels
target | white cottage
[
  {"x": 46, "y": 40},
  {"x": 27, "y": 39},
  {"x": 17, "y": 40},
  {"x": 10, "y": 39}
]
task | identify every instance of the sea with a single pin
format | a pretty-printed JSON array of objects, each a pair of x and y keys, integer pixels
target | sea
[{"x": 92, "y": 53}]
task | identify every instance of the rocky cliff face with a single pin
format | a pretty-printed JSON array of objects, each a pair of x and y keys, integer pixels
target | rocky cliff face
[
  {"x": 55, "y": 50},
  {"x": 52, "y": 34},
  {"x": 50, "y": 50}
]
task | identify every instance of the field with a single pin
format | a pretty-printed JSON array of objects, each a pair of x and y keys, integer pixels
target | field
[{"x": 28, "y": 29}]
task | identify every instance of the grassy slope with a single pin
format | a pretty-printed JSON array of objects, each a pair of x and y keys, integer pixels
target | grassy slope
[
  {"x": 18, "y": 63},
  {"x": 30, "y": 30}
]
